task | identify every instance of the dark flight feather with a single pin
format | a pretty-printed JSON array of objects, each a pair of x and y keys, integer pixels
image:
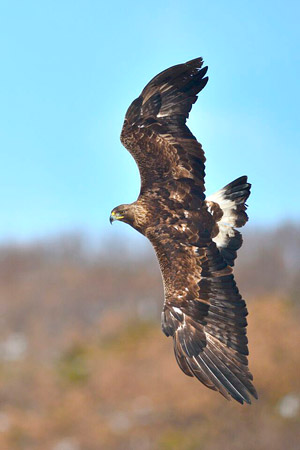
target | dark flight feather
[{"x": 194, "y": 238}]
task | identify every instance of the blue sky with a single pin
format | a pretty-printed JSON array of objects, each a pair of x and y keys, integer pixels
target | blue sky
[{"x": 70, "y": 69}]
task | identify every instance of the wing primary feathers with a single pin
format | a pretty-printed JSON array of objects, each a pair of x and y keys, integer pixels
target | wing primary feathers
[
  {"x": 211, "y": 375},
  {"x": 238, "y": 368},
  {"x": 231, "y": 389},
  {"x": 234, "y": 380}
]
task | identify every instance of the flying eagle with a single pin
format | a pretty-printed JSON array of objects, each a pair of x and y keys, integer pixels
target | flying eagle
[{"x": 194, "y": 237}]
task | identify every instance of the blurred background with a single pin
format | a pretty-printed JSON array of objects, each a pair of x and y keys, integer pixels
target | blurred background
[{"x": 83, "y": 362}]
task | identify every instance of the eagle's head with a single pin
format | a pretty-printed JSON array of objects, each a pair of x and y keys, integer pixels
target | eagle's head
[{"x": 125, "y": 213}]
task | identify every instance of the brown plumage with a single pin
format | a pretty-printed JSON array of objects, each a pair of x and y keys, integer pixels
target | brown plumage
[{"x": 194, "y": 237}]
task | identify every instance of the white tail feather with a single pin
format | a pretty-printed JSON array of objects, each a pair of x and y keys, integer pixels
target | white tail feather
[{"x": 231, "y": 199}]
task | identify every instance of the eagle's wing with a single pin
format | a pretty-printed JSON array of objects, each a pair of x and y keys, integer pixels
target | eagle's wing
[
  {"x": 203, "y": 310},
  {"x": 154, "y": 129}
]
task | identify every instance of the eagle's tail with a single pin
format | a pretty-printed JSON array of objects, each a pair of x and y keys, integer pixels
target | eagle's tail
[{"x": 228, "y": 205}]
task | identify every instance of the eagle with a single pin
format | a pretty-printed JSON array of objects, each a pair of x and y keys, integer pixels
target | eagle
[{"x": 194, "y": 236}]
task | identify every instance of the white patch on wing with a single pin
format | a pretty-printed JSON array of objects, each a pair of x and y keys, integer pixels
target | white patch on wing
[
  {"x": 182, "y": 324},
  {"x": 163, "y": 115}
]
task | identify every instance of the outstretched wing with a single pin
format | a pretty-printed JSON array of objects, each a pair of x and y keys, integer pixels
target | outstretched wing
[
  {"x": 203, "y": 311},
  {"x": 154, "y": 129}
]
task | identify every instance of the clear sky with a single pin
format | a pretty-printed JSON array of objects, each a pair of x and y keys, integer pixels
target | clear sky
[{"x": 70, "y": 69}]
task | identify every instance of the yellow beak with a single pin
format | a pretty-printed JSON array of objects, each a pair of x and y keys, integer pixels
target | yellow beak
[{"x": 115, "y": 216}]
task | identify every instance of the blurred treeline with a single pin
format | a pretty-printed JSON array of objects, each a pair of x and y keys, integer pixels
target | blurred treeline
[{"x": 85, "y": 366}]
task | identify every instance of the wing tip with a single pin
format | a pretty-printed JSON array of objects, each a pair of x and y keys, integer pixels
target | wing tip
[
  {"x": 213, "y": 372},
  {"x": 195, "y": 62}
]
